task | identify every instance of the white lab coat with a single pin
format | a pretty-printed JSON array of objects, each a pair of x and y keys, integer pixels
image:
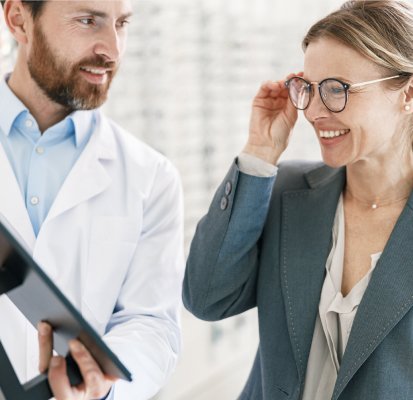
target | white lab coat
[{"x": 112, "y": 239}]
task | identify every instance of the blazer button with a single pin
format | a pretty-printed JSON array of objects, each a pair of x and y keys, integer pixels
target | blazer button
[
  {"x": 224, "y": 203},
  {"x": 228, "y": 188}
]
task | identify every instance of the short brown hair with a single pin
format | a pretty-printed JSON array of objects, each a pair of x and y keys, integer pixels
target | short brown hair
[
  {"x": 381, "y": 30},
  {"x": 35, "y": 6}
]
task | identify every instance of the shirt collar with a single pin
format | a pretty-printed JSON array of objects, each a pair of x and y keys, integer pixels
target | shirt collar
[
  {"x": 10, "y": 105},
  {"x": 83, "y": 121}
]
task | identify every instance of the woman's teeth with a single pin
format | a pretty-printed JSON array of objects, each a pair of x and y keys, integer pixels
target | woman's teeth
[{"x": 331, "y": 134}]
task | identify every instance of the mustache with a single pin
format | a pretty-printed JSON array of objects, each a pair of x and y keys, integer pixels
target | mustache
[{"x": 98, "y": 62}]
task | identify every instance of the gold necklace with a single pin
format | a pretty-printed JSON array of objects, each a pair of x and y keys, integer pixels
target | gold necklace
[{"x": 375, "y": 205}]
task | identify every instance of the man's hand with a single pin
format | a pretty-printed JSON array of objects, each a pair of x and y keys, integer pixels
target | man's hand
[{"x": 95, "y": 384}]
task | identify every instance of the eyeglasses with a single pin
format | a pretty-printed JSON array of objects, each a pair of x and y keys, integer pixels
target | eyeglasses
[{"x": 333, "y": 92}]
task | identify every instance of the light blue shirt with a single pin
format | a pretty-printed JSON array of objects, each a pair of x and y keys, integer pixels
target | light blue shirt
[{"x": 41, "y": 162}]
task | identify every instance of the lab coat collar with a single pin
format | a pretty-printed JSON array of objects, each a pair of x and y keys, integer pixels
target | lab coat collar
[
  {"x": 87, "y": 178},
  {"x": 89, "y": 175}
]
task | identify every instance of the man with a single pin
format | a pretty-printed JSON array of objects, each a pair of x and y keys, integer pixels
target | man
[{"x": 100, "y": 211}]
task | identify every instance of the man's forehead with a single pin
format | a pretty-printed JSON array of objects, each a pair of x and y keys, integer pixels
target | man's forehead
[
  {"x": 85, "y": 1},
  {"x": 124, "y": 5}
]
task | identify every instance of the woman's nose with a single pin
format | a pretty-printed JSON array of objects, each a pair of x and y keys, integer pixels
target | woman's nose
[{"x": 316, "y": 108}]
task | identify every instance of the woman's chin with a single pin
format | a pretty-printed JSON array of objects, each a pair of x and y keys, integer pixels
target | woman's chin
[{"x": 333, "y": 163}]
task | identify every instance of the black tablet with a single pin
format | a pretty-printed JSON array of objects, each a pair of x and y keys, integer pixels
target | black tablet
[{"x": 39, "y": 299}]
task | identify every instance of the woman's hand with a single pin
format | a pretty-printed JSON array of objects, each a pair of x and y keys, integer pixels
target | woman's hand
[
  {"x": 272, "y": 120},
  {"x": 96, "y": 385}
]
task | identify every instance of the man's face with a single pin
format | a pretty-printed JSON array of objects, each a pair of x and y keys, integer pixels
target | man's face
[{"x": 76, "y": 50}]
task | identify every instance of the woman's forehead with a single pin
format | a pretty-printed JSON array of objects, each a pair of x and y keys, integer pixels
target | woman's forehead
[{"x": 327, "y": 57}]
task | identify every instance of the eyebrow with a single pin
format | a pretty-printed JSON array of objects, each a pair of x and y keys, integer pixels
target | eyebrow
[
  {"x": 101, "y": 14},
  {"x": 340, "y": 78}
]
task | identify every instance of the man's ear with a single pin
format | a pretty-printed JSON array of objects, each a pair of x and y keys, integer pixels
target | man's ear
[{"x": 18, "y": 19}]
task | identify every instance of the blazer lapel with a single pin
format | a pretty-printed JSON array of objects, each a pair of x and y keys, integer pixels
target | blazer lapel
[
  {"x": 307, "y": 220},
  {"x": 386, "y": 301}
]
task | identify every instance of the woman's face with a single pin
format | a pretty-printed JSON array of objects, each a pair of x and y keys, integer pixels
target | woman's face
[{"x": 370, "y": 124}]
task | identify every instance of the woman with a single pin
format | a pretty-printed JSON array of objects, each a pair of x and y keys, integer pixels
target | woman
[{"x": 323, "y": 250}]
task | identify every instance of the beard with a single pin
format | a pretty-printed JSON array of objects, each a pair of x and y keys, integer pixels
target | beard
[{"x": 61, "y": 81}]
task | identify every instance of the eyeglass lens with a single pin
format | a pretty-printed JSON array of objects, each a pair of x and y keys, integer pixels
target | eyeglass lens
[{"x": 332, "y": 92}]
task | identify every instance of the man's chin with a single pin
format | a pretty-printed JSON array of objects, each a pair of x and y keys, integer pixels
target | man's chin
[
  {"x": 80, "y": 104},
  {"x": 84, "y": 101},
  {"x": 91, "y": 96}
]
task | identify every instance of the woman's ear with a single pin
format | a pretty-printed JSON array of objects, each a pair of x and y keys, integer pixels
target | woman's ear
[
  {"x": 408, "y": 96},
  {"x": 17, "y": 18}
]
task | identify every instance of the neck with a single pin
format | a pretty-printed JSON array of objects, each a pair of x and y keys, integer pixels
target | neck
[
  {"x": 46, "y": 112},
  {"x": 376, "y": 184}
]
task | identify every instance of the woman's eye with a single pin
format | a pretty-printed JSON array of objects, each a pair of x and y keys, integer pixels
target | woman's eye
[{"x": 337, "y": 90}]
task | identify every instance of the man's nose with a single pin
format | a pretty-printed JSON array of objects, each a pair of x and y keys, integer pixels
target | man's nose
[{"x": 110, "y": 45}]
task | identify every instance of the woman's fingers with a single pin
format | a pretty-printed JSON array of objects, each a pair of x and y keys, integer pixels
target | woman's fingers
[
  {"x": 270, "y": 88},
  {"x": 275, "y": 88}
]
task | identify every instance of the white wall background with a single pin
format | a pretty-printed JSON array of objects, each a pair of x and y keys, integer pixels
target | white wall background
[{"x": 185, "y": 87}]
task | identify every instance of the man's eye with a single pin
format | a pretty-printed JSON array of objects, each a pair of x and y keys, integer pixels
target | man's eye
[
  {"x": 123, "y": 24},
  {"x": 86, "y": 21}
]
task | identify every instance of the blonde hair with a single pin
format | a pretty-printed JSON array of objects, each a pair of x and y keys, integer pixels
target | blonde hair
[{"x": 381, "y": 30}]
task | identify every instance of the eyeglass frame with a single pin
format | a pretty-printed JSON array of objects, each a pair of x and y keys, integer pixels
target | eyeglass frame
[{"x": 346, "y": 86}]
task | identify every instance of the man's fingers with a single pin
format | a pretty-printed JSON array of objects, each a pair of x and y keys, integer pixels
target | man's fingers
[
  {"x": 58, "y": 380},
  {"x": 96, "y": 384},
  {"x": 45, "y": 336}
]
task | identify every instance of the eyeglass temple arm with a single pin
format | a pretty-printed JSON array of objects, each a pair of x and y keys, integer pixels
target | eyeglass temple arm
[{"x": 374, "y": 81}]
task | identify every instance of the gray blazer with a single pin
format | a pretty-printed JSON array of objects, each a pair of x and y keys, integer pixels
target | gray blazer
[{"x": 266, "y": 247}]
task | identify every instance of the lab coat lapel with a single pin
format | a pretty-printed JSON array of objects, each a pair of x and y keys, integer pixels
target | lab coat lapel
[
  {"x": 307, "y": 220},
  {"x": 88, "y": 177},
  {"x": 12, "y": 206},
  {"x": 386, "y": 301}
]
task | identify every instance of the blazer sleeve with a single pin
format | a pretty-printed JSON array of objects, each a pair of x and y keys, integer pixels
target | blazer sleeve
[{"x": 223, "y": 262}]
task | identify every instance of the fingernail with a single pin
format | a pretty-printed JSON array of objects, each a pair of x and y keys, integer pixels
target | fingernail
[
  {"x": 55, "y": 362},
  {"x": 44, "y": 329}
]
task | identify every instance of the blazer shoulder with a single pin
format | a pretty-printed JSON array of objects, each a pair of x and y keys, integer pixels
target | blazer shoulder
[
  {"x": 292, "y": 175},
  {"x": 296, "y": 175}
]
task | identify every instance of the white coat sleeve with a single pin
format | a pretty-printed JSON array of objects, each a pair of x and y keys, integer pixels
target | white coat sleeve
[{"x": 144, "y": 330}]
